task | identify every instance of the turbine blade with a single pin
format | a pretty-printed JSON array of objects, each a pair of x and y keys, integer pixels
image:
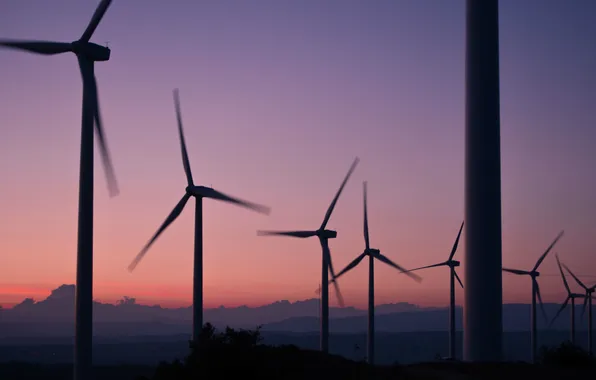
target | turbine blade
[
  {"x": 327, "y": 255},
  {"x": 541, "y": 259},
  {"x": 185, "y": 160},
  {"x": 297, "y": 234},
  {"x": 562, "y": 274},
  {"x": 426, "y": 267},
  {"x": 39, "y": 47},
  {"x": 318, "y": 291},
  {"x": 100, "y": 11},
  {"x": 515, "y": 271},
  {"x": 585, "y": 305},
  {"x": 366, "y": 237},
  {"x": 341, "y": 188},
  {"x": 458, "y": 279},
  {"x": 103, "y": 145},
  {"x": 574, "y": 277},
  {"x": 560, "y": 310},
  {"x": 173, "y": 215},
  {"x": 349, "y": 267},
  {"x": 214, "y": 194},
  {"x": 540, "y": 299},
  {"x": 386, "y": 260},
  {"x": 456, "y": 242}
]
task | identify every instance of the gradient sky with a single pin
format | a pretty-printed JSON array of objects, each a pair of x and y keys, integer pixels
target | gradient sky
[{"x": 278, "y": 97}]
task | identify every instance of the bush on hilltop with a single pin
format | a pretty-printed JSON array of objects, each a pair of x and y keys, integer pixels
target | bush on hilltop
[{"x": 232, "y": 353}]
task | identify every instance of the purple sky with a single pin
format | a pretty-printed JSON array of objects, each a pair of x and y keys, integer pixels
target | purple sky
[{"x": 277, "y": 99}]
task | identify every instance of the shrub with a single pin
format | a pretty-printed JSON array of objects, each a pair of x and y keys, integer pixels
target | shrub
[
  {"x": 566, "y": 355},
  {"x": 239, "y": 353}
]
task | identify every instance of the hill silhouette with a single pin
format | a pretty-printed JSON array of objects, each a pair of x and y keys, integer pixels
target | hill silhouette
[
  {"x": 58, "y": 310},
  {"x": 54, "y": 316},
  {"x": 42, "y": 331}
]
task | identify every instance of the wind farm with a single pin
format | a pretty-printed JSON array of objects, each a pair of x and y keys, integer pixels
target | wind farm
[{"x": 467, "y": 121}]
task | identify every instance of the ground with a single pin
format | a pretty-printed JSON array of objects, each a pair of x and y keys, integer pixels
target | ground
[
  {"x": 239, "y": 353},
  {"x": 423, "y": 371}
]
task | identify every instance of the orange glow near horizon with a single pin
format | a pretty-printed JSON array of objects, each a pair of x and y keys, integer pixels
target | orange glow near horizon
[{"x": 11, "y": 295}]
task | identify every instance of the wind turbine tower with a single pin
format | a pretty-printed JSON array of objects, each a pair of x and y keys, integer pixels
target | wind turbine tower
[
  {"x": 483, "y": 294},
  {"x": 87, "y": 54}
]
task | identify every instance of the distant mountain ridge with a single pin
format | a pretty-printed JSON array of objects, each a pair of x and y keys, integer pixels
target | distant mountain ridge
[
  {"x": 59, "y": 307},
  {"x": 54, "y": 316}
]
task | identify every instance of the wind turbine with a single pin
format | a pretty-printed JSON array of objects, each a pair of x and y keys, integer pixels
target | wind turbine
[
  {"x": 452, "y": 264},
  {"x": 198, "y": 192},
  {"x": 324, "y": 235},
  {"x": 587, "y": 302},
  {"x": 87, "y": 54},
  {"x": 535, "y": 293},
  {"x": 372, "y": 254},
  {"x": 570, "y": 297}
]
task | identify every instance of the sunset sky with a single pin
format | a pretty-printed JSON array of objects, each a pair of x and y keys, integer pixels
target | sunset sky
[{"x": 277, "y": 98}]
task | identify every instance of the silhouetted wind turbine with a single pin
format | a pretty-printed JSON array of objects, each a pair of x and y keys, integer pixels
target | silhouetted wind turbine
[
  {"x": 87, "y": 54},
  {"x": 324, "y": 235},
  {"x": 570, "y": 297},
  {"x": 372, "y": 254},
  {"x": 453, "y": 275},
  {"x": 535, "y": 293},
  {"x": 587, "y": 302},
  {"x": 198, "y": 192}
]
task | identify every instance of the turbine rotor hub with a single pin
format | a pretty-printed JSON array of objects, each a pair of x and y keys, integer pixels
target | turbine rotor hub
[{"x": 76, "y": 46}]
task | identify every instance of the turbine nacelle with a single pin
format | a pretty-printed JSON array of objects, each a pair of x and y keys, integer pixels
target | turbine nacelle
[
  {"x": 453, "y": 263},
  {"x": 91, "y": 51},
  {"x": 373, "y": 252},
  {"x": 199, "y": 191},
  {"x": 327, "y": 234}
]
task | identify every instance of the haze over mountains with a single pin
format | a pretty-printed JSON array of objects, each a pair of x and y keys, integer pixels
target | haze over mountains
[
  {"x": 128, "y": 332},
  {"x": 54, "y": 317}
]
